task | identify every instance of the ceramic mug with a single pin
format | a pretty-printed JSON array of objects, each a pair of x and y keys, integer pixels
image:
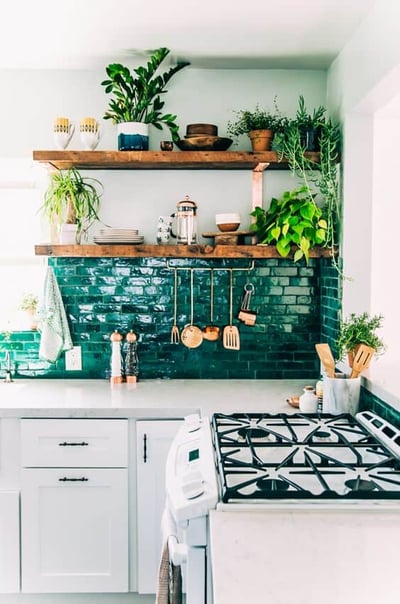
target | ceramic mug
[
  {"x": 164, "y": 229},
  {"x": 63, "y": 130}
]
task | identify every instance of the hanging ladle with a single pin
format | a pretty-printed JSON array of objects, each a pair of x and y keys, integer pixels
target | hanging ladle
[
  {"x": 191, "y": 335},
  {"x": 211, "y": 332}
]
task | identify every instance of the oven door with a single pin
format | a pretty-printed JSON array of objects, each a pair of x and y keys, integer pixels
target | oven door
[
  {"x": 347, "y": 555},
  {"x": 187, "y": 548}
]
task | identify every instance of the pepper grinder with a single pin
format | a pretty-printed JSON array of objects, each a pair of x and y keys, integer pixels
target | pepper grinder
[
  {"x": 131, "y": 358},
  {"x": 116, "y": 358}
]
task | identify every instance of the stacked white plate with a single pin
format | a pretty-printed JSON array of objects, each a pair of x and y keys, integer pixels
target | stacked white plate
[{"x": 114, "y": 236}]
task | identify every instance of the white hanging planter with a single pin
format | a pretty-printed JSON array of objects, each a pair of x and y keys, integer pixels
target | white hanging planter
[{"x": 133, "y": 136}]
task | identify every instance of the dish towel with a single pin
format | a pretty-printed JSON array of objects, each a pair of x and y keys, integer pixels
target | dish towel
[
  {"x": 55, "y": 336},
  {"x": 169, "y": 584}
]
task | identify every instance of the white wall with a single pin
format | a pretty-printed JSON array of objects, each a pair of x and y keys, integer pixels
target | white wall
[{"x": 31, "y": 100}]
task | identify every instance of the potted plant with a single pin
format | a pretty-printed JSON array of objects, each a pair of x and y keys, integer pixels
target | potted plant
[
  {"x": 356, "y": 330},
  {"x": 136, "y": 100},
  {"x": 293, "y": 220},
  {"x": 319, "y": 176},
  {"x": 309, "y": 125},
  {"x": 260, "y": 125},
  {"x": 72, "y": 202},
  {"x": 28, "y": 304}
]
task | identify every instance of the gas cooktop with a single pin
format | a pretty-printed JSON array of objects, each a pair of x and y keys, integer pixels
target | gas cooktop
[{"x": 313, "y": 456}]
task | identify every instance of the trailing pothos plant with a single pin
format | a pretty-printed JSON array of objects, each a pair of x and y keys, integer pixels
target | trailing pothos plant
[
  {"x": 292, "y": 220},
  {"x": 137, "y": 96},
  {"x": 318, "y": 176}
]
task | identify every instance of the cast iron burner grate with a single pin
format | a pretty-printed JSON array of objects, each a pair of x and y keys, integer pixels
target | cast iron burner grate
[{"x": 265, "y": 456}]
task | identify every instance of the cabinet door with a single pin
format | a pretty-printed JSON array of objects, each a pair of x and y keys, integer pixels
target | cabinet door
[
  {"x": 153, "y": 441},
  {"x": 74, "y": 530},
  {"x": 9, "y": 542}
]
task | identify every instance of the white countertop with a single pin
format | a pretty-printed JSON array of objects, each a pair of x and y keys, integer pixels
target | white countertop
[{"x": 145, "y": 400}]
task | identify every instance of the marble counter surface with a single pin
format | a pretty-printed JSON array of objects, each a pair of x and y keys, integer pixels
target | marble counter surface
[{"x": 145, "y": 400}]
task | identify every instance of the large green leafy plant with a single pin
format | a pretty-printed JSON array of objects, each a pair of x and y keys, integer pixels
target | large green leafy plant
[
  {"x": 72, "y": 199},
  {"x": 137, "y": 96},
  {"x": 318, "y": 176},
  {"x": 292, "y": 220}
]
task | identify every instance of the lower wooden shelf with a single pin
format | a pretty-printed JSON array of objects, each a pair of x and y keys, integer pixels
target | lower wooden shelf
[{"x": 167, "y": 251}]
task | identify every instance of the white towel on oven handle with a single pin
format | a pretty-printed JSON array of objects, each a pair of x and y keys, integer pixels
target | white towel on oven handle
[
  {"x": 177, "y": 551},
  {"x": 169, "y": 583}
]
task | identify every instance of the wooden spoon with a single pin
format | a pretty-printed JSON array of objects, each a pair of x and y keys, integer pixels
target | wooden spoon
[
  {"x": 326, "y": 357},
  {"x": 362, "y": 359}
]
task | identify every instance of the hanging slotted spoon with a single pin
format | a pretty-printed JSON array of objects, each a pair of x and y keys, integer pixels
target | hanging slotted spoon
[
  {"x": 230, "y": 336},
  {"x": 175, "y": 328}
]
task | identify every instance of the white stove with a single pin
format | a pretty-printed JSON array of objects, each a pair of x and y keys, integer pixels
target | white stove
[{"x": 250, "y": 465}]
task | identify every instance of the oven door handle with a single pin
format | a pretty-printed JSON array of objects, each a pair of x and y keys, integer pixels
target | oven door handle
[{"x": 178, "y": 552}]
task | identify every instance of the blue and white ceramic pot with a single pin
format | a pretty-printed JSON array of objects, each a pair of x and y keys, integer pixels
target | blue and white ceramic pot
[{"x": 133, "y": 136}]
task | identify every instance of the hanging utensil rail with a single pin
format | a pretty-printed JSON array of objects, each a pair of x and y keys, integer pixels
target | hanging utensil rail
[{"x": 207, "y": 268}]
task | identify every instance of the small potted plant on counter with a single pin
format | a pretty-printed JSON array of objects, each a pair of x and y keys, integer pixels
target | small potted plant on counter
[
  {"x": 259, "y": 124},
  {"x": 356, "y": 330},
  {"x": 136, "y": 100},
  {"x": 28, "y": 304},
  {"x": 72, "y": 202}
]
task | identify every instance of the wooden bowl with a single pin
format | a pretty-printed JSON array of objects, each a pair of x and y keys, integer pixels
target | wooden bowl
[
  {"x": 293, "y": 401},
  {"x": 227, "y": 227},
  {"x": 205, "y": 129}
]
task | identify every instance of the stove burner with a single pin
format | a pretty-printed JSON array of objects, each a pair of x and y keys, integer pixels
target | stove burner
[
  {"x": 271, "y": 484},
  {"x": 322, "y": 434},
  {"x": 252, "y": 433},
  {"x": 357, "y": 484}
]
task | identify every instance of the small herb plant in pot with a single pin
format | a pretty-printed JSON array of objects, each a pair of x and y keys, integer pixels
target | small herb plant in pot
[
  {"x": 356, "y": 330},
  {"x": 72, "y": 199},
  {"x": 28, "y": 304},
  {"x": 292, "y": 221},
  {"x": 136, "y": 100},
  {"x": 259, "y": 124}
]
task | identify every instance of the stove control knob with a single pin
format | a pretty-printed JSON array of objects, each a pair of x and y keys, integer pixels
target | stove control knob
[
  {"x": 193, "y": 422},
  {"x": 192, "y": 485}
]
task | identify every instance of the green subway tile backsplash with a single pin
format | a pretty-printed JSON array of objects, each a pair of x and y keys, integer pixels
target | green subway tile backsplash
[{"x": 296, "y": 305}]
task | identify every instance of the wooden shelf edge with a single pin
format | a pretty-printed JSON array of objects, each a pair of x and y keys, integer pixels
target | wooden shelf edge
[
  {"x": 161, "y": 160},
  {"x": 166, "y": 251}
]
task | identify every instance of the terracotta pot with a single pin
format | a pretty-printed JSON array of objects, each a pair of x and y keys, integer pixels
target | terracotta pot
[{"x": 261, "y": 139}]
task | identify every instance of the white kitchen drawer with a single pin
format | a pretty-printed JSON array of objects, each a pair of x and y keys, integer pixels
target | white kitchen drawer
[{"x": 72, "y": 443}]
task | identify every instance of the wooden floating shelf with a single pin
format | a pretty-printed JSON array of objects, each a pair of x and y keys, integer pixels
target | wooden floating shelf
[
  {"x": 162, "y": 160},
  {"x": 166, "y": 251}
]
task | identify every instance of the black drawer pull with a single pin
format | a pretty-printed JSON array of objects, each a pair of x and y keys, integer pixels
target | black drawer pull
[
  {"x": 65, "y": 479},
  {"x": 65, "y": 444}
]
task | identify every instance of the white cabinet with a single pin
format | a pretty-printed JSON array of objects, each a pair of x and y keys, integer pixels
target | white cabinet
[
  {"x": 153, "y": 441},
  {"x": 9, "y": 506},
  {"x": 74, "y": 516},
  {"x": 9, "y": 541}
]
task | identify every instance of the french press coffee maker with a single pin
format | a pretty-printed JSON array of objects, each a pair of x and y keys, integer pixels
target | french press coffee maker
[{"x": 186, "y": 222}]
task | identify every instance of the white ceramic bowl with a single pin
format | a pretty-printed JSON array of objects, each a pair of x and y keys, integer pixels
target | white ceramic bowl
[
  {"x": 228, "y": 217},
  {"x": 227, "y": 222}
]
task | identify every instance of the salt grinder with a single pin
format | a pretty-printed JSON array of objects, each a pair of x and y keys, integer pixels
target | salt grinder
[
  {"x": 116, "y": 358},
  {"x": 131, "y": 358}
]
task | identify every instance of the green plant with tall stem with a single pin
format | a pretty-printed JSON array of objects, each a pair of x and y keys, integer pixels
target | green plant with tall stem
[
  {"x": 72, "y": 199},
  {"x": 137, "y": 96},
  {"x": 317, "y": 176}
]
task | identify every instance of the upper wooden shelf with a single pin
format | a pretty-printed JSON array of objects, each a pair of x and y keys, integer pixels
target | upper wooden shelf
[
  {"x": 167, "y": 251},
  {"x": 162, "y": 160}
]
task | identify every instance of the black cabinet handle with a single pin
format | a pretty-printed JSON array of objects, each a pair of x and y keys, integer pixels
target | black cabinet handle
[
  {"x": 65, "y": 479},
  {"x": 65, "y": 444},
  {"x": 145, "y": 448}
]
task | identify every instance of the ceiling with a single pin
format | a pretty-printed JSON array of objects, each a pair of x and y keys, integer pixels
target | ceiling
[{"x": 217, "y": 34}]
